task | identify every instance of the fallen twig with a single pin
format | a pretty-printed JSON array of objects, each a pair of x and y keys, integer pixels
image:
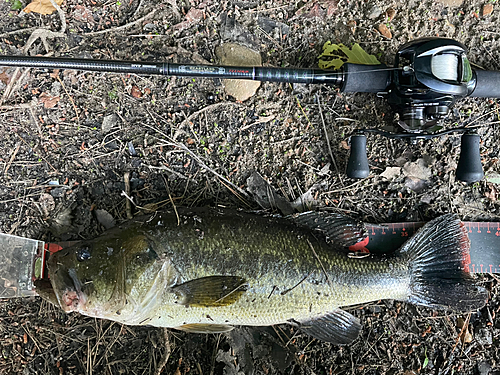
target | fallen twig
[
  {"x": 126, "y": 193},
  {"x": 166, "y": 355},
  {"x": 328, "y": 139},
  {"x": 197, "y": 158},
  {"x": 118, "y": 28}
]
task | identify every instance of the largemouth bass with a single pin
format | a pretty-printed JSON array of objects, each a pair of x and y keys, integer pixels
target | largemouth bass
[{"x": 208, "y": 270}]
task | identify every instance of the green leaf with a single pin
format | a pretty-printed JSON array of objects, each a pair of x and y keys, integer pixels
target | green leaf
[
  {"x": 335, "y": 55},
  {"x": 494, "y": 178},
  {"x": 38, "y": 268},
  {"x": 426, "y": 360},
  {"x": 16, "y": 5}
]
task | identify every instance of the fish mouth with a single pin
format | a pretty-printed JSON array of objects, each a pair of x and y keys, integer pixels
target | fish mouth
[{"x": 70, "y": 295}]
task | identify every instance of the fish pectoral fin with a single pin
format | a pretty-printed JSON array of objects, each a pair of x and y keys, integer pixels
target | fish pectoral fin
[
  {"x": 210, "y": 291},
  {"x": 338, "y": 327},
  {"x": 205, "y": 328},
  {"x": 339, "y": 230}
]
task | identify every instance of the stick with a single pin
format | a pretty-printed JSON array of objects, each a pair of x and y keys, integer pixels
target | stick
[
  {"x": 149, "y": 15},
  {"x": 166, "y": 355},
  {"x": 128, "y": 206}
]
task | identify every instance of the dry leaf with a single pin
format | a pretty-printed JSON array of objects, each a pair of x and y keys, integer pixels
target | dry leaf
[
  {"x": 352, "y": 25},
  {"x": 192, "y": 16},
  {"x": 390, "y": 14},
  {"x": 492, "y": 194},
  {"x": 487, "y": 9},
  {"x": 4, "y": 77},
  {"x": 48, "y": 100},
  {"x": 385, "y": 31},
  {"x": 136, "y": 92},
  {"x": 55, "y": 73},
  {"x": 42, "y": 6}
]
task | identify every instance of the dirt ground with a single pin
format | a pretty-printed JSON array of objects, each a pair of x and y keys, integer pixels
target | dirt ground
[{"x": 69, "y": 137}]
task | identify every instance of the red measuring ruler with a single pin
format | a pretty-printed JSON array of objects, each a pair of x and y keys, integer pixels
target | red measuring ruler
[{"x": 484, "y": 238}]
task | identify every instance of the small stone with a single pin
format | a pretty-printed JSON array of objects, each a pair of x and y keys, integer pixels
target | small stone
[
  {"x": 111, "y": 145},
  {"x": 149, "y": 27},
  {"x": 451, "y": 3},
  {"x": 105, "y": 218},
  {"x": 484, "y": 368},
  {"x": 484, "y": 336},
  {"x": 237, "y": 55},
  {"x": 391, "y": 172},
  {"x": 487, "y": 9},
  {"x": 109, "y": 122},
  {"x": 384, "y": 30},
  {"x": 374, "y": 12},
  {"x": 418, "y": 170},
  {"x": 58, "y": 192},
  {"x": 415, "y": 184},
  {"x": 131, "y": 149}
]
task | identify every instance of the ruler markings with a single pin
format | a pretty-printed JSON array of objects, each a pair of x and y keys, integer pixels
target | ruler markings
[{"x": 484, "y": 237}]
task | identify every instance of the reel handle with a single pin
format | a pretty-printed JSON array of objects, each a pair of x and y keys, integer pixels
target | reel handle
[
  {"x": 357, "y": 166},
  {"x": 469, "y": 167}
]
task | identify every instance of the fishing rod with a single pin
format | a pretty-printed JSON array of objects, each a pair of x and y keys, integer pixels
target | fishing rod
[{"x": 428, "y": 77}]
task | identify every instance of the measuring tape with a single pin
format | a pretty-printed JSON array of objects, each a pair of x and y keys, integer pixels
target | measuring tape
[{"x": 484, "y": 238}]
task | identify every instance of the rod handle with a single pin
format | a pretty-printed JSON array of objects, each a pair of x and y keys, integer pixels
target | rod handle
[
  {"x": 357, "y": 166},
  {"x": 469, "y": 167}
]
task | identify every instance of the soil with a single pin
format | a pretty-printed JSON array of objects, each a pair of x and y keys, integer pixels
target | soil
[{"x": 69, "y": 137}]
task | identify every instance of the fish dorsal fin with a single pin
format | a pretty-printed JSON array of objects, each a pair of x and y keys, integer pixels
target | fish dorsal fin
[
  {"x": 205, "y": 328},
  {"x": 338, "y": 229},
  {"x": 210, "y": 291},
  {"x": 338, "y": 327}
]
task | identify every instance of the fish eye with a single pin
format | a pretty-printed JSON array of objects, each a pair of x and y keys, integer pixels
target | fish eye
[{"x": 83, "y": 254}]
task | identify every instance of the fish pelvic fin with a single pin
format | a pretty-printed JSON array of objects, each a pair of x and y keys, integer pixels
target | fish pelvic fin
[
  {"x": 338, "y": 327},
  {"x": 437, "y": 256},
  {"x": 210, "y": 291},
  {"x": 205, "y": 328},
  {"x": 338, "y": 229}
]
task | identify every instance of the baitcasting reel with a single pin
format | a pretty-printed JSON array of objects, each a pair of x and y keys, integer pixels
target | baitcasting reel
[{"x": 429, "y": 76}]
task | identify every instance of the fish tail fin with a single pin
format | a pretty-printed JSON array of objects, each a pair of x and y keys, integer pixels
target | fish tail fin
[{"x": 438, "y": 256}]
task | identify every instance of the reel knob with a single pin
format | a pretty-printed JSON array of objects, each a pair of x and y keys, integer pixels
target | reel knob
[
  {"x": 357, "y": 166},
  {"x": 469, "y": 167}
]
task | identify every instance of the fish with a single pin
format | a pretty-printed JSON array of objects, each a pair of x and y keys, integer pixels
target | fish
[{"x": 208, "y": 270}]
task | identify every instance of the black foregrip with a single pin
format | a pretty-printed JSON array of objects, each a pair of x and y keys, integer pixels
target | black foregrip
[
  {"x": 487, "y": 84},
  {"x": 365, "y": 78}
]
